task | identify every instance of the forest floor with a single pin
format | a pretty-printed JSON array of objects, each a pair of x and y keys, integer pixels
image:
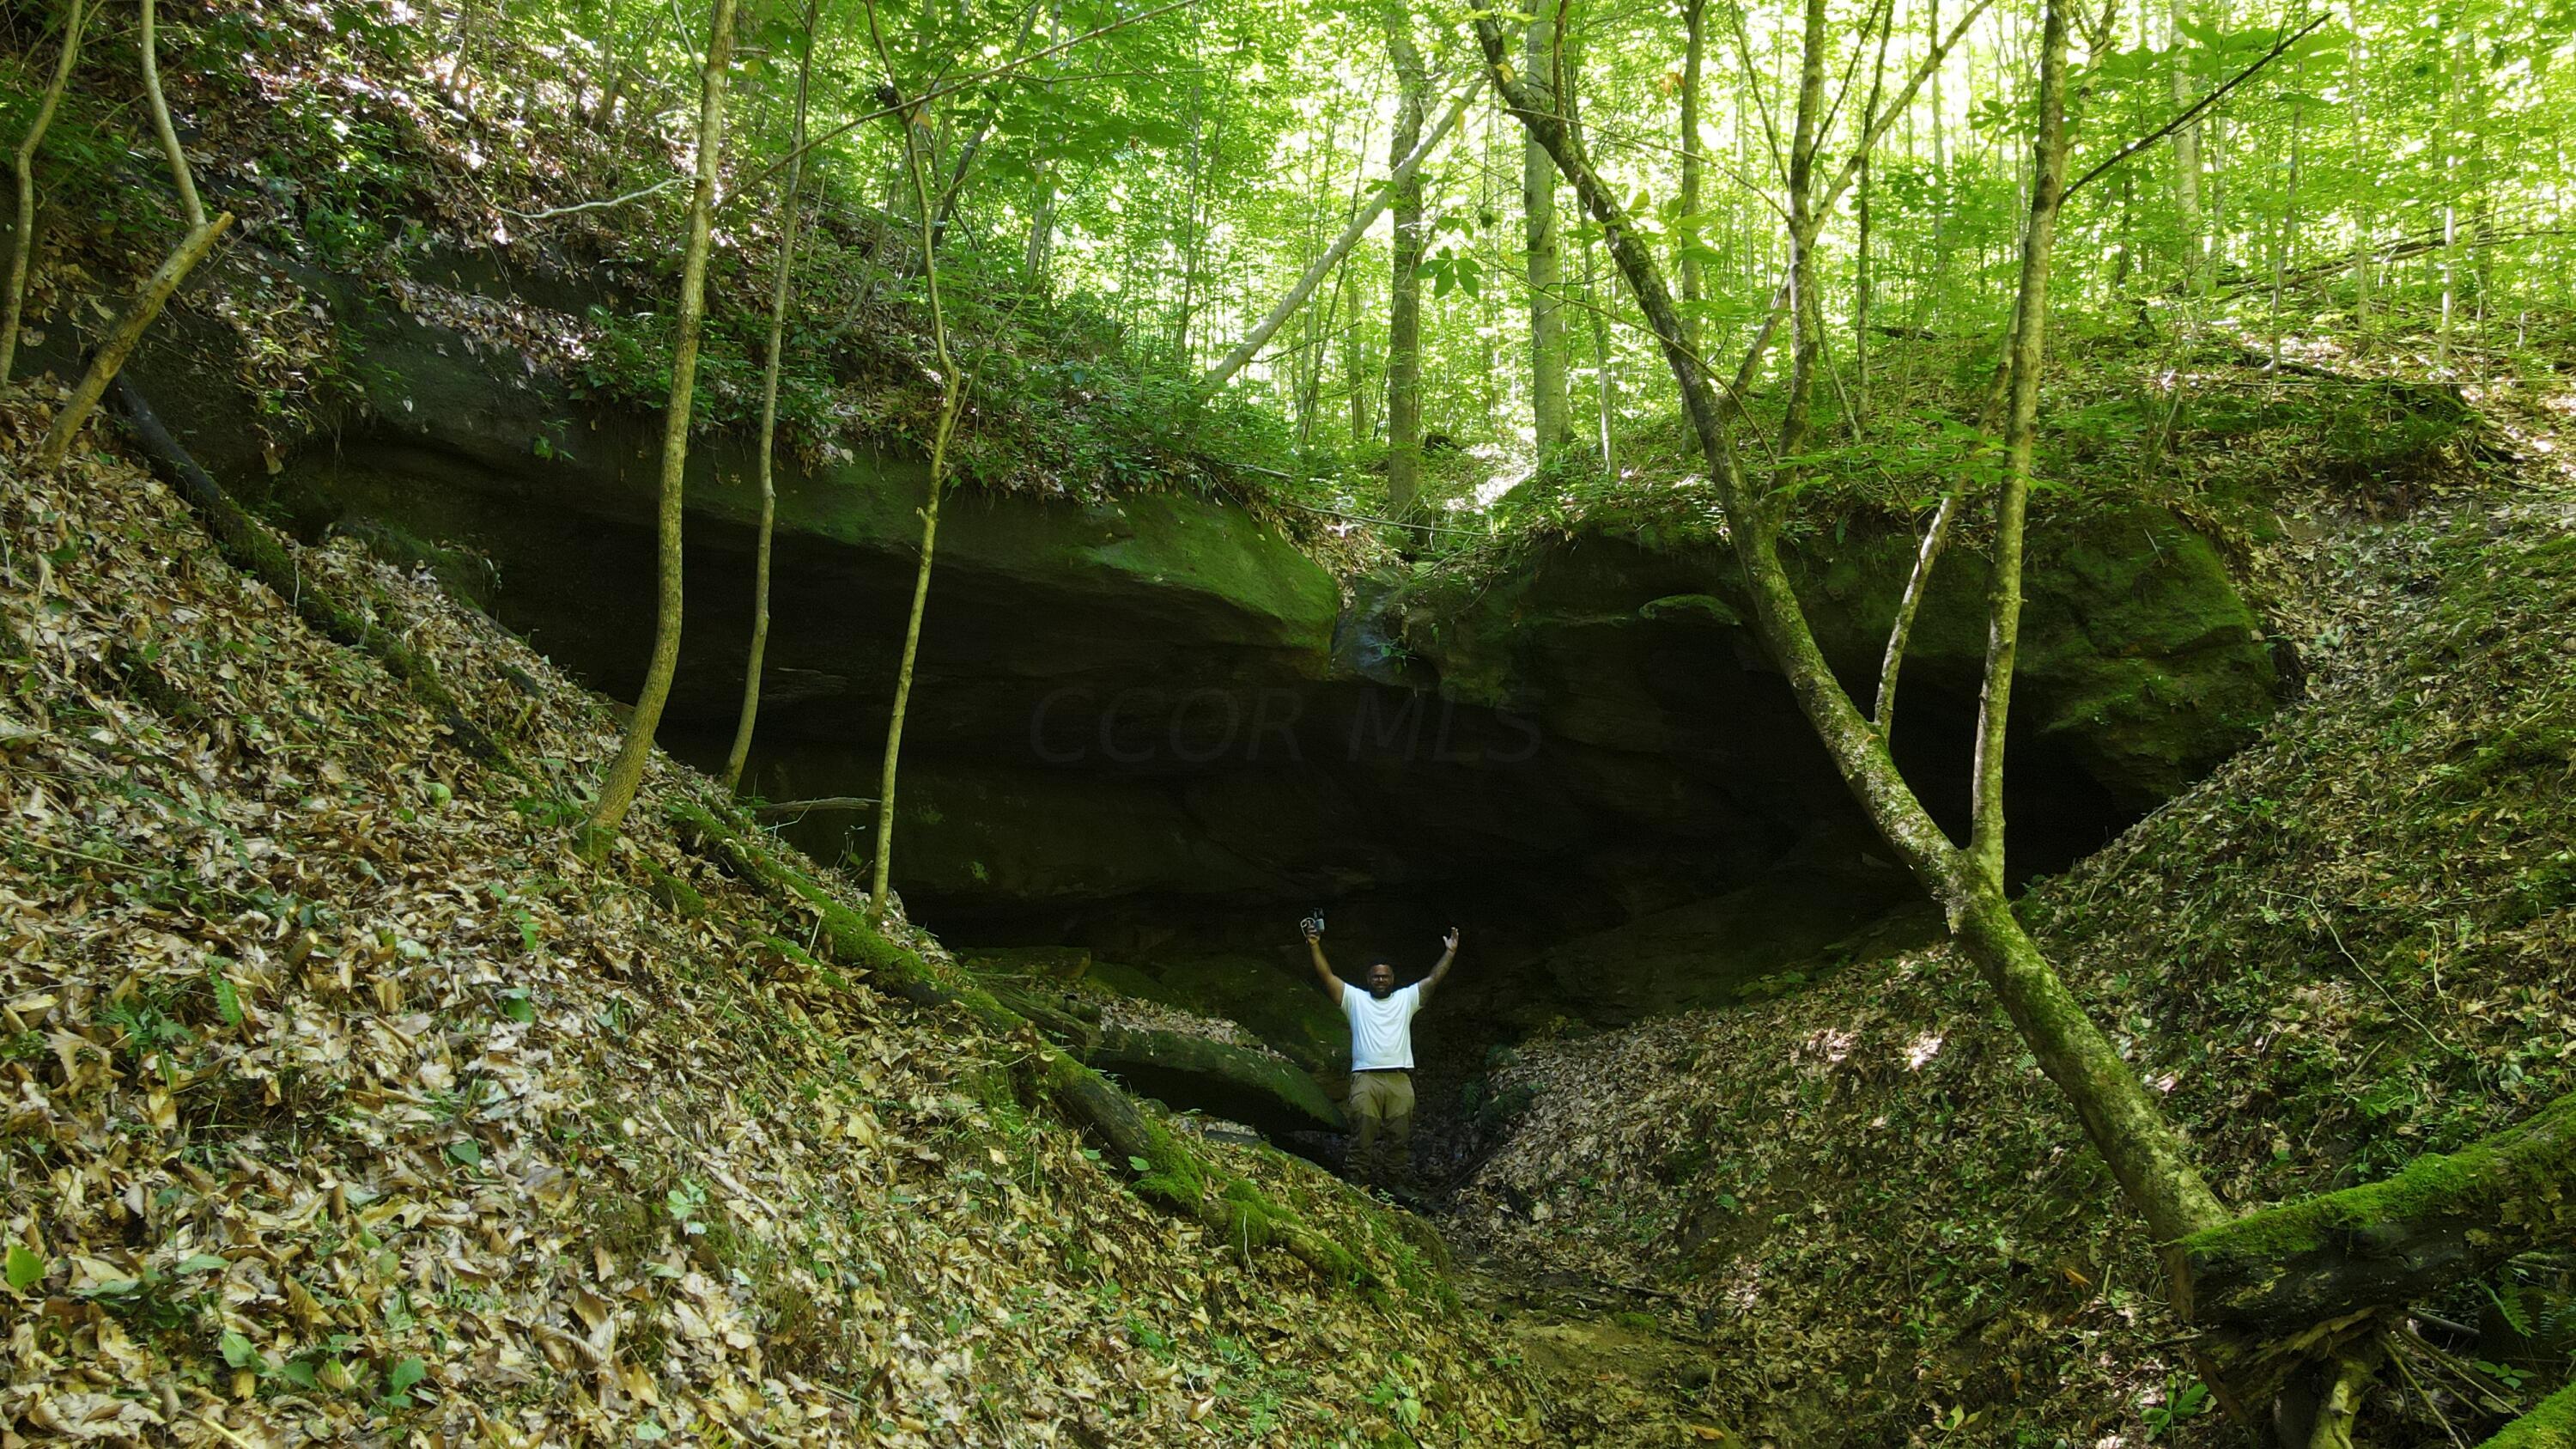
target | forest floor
[
  {"x": 1858, "y": 1215},
  {"x": 346, "y": 1100}
]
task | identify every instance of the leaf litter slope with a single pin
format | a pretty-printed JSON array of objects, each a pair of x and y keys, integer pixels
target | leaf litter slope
[
  {"x": 2350, "y": 946},
  {"x": 345, "y": 1102}
]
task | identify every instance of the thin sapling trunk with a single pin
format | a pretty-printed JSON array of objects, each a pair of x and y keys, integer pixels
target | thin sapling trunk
[
  {"x": 779, "y": 285},
  {"x": 626, "y": 771},
  {"x": 952, "y": 401},
  {"x": 22, "y": 240},
  {"x": 121, "y": 339}
]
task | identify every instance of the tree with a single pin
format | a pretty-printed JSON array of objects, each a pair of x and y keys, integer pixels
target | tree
[
  {"x": 1686, "y": 258},
  {"x": 108, "y": 358},
  {"x": 1404, "y": 294},
  {"x": 779, "y": 285},
  {"x": 626, "y": 771},
  {"x": 2146, "y": 1152},
  {"x": 952, "y": 401},
  {"x": 22, "y": 237},
  {"x": 2186, "y": 149},
  {"x": 1367, "y": 215},
  {"x": 1548, "y": 400}
]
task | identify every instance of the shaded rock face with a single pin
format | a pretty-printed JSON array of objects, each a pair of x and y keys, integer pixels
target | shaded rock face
[{"x": 1156, "y": 730}]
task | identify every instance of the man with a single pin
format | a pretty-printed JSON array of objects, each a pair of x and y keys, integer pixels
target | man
[{"x": 1381, "y": 1018}]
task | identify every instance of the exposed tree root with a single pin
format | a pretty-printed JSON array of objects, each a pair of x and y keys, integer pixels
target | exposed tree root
[
  {"x": 1167, "y": 1171},
  {"x": 249, "y": 546}
]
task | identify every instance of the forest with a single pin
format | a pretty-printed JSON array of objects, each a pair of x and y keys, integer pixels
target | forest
[{"x": 1141, "y": 722}]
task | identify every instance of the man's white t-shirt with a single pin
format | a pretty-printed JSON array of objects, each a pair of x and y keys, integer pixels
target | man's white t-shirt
[{"x": 1381, "y": 1031}]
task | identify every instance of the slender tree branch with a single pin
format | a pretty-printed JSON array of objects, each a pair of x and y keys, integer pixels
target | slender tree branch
[
  {"x": 1278, "y": 315},
  {"x": 1935, "y": 538},
  {"x": 2204, "y": 103},
  {"x": 603, "y": 204}
]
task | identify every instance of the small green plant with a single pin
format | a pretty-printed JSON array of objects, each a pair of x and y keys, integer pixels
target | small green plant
[
  {"x": 1398, "y": 1398},
  {"x": 2182, "y": 1404},
  {"x": 687, "y": 1205}
]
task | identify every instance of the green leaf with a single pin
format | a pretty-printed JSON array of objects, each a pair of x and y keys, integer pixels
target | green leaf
[
  {"x": 300, "y": 1373},
  {"x": 466, "y": 1153},
  {"x": 227, "y": 998},
  {"x": 239, "y": 1353},
  {"x": 26, "y": 1269},
  {"x": 1140, "y": 1164},
  {"x": 649, "y": 1432},
  {"x": 201, "y": 1263},
  {"x": 399, "y": 1380},
  {"x": 516, "y": 1006}
]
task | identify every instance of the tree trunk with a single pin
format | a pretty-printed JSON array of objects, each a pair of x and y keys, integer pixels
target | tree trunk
[
  {"x": 1923, "y": 313},
  {"x": 22, "y": 240},
  {"x": 1694, "y": 57},
  {"x": 626, "y": 772},
  {"x": 2360, "y": 111},
  {"x": 1806, "y": 310},
  {"x": 2289, "y": 229},
  {"x": 952, "y": 402},
  {"x": 779, "y": 284},
  {"x": 194, "y": 209},
  {"x": 1549, "y": 403},
  {"x": 1404, "y": 298},
  {"x": 1861, "y": 279},
  {"x": 2146, "y": 1153},
  {"x": 2440, "y": 1220},
  {"x": 2186, "y": 150},
  {"x": 121, "y": 338}
]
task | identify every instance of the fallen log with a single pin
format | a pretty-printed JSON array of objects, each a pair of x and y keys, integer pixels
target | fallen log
[
  {"x": 772, "y": 809},
  {"x": 1165, "y": 1169},
  {"x": 248, "y": 545},
  {"x": 2441, "y": 1220}
]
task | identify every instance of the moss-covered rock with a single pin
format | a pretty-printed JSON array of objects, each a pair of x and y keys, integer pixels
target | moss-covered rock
[
  {"x": 2141, "y": 662},
  {"x": 2139, "y": 656}
]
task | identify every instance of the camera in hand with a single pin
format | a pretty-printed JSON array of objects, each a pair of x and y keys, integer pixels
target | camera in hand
[{"x": 1313, "y": 925}]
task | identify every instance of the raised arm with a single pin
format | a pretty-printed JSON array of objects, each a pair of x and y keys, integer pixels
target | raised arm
[
  {"x": 1440, "y": 972},
  {"x": 1323, "y": 968}
]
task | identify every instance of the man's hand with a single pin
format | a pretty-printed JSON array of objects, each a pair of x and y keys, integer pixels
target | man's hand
[
  {"x": 1440, "y": 969},
  {"x": 1323, "y": 968}
]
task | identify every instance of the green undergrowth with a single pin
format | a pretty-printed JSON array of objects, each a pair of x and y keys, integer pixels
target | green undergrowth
[
  {"x": 2205, "y": 429},
  {"x": 323, "y": 128}
]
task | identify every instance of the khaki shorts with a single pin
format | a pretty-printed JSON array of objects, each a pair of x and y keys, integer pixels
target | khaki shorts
[{"x": 1381, "y": 1096}]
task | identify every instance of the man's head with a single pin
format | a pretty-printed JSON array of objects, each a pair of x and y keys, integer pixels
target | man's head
[{"x": 1381, "y": 980}]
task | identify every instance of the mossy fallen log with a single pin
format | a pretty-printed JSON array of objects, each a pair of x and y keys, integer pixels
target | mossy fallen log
[
  {"x": 1165, "y": 1169},
  {"x": 249, "y": 546},
  {"x": 2441, "y": 1220},
  {"x": 2551, "y": 1426},
  {"x": 1253, "y": 1087}
]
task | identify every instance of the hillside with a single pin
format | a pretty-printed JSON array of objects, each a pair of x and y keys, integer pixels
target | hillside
[
  {"x": 2348, "y": 946},
  {"x": 349, "y": 1102}
]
